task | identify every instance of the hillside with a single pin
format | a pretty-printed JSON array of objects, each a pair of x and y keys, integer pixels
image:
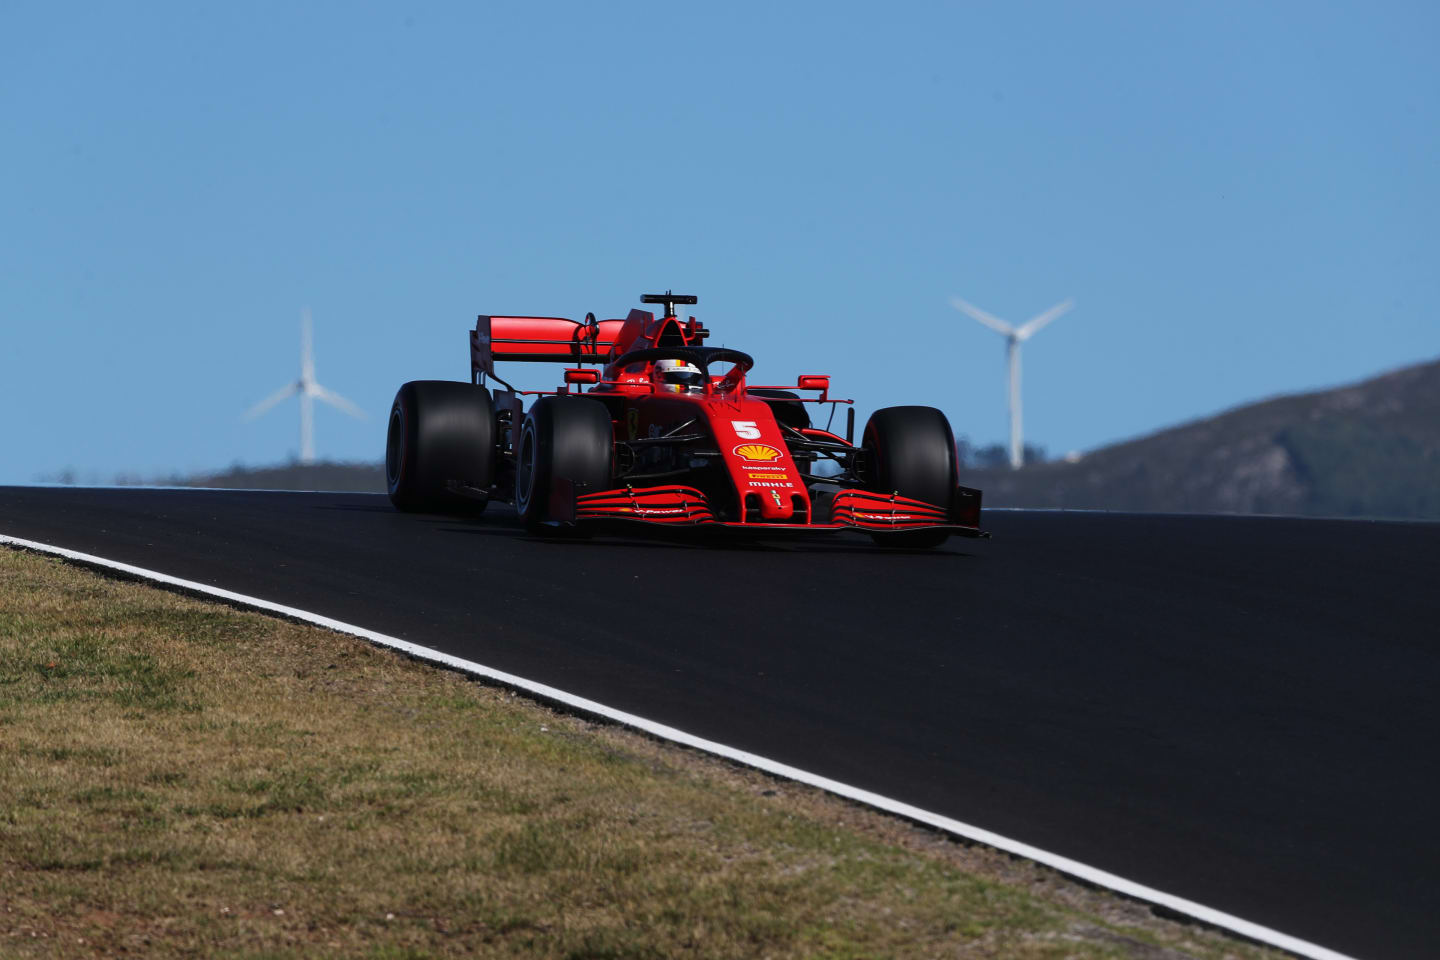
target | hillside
[{"x": 1371, "y": 449}]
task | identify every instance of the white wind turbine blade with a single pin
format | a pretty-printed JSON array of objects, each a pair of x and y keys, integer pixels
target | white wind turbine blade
[
  {"x": 285, "y": 392},
  {"x": 993, "y": 322},
  {"x": 1033, "y": 325},
  {"x": 338, "y": 402}
]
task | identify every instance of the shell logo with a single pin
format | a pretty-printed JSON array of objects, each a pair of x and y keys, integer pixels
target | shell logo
[{"x": 757, "y": 452}]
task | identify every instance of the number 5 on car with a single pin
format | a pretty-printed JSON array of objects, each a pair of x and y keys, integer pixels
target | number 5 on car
[{"x": 746, "y": 429}]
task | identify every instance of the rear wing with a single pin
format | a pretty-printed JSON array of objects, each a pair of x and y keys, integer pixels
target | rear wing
[{"x": 539, "y": 339}]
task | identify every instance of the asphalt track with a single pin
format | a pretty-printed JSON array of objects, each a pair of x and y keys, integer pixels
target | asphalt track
[{"x": 1240, "y": 711}]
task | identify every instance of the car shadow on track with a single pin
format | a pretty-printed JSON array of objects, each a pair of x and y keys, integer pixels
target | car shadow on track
[
  {"x": 503, "y": 524},
  {"x": 675, "y": 540}
]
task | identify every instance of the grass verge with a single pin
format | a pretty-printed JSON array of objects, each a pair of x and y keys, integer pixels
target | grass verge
[{"x": 178, "y": 778}]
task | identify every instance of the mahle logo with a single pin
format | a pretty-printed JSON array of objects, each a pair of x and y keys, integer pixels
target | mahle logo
[{"x": 757, "y": 452}]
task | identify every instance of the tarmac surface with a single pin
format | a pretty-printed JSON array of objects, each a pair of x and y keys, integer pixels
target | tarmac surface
[{"x": 1240, "y": 711}]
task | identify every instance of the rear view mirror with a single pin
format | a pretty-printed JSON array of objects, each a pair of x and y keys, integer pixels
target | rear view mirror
[
  {"x": 813, "y": 381},
  {"x": 579, "y": 375}
]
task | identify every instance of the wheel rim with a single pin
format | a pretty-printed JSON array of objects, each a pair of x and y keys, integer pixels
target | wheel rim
[
  {"x": 525, "y": 469},
  {"x": 395, "y": 448}
]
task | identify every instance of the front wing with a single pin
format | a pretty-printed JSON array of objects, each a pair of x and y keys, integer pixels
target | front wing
[{"x": 682, "y": 506}]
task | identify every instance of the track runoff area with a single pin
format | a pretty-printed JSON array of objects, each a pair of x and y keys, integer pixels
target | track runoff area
[{"x": 334, "y": 508}]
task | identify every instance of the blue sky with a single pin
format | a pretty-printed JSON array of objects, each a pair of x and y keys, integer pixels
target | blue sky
[{"x": 1243, "y": 200}]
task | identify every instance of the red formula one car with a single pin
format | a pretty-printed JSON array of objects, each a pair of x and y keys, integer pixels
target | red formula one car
[{"x": 670, "y": 432}]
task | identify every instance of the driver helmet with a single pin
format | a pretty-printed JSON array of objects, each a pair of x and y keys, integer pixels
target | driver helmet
[{"x": 679, "y": 376}]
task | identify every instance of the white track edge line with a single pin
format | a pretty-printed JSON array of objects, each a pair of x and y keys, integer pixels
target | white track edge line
[{"x": 1082, "y": 871}]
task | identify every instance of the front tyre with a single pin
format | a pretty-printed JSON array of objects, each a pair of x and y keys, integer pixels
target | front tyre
[
  {"x": 441, "y": 437},
  {"x": 563, "y": 439},
  {"x": 911, "y": 451}
]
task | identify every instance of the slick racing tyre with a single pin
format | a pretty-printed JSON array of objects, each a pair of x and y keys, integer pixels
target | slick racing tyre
[
  {"x": 911, "y": 451},
  {"x": 441, "y": 437},
  {"x": 564, "y": 438}
]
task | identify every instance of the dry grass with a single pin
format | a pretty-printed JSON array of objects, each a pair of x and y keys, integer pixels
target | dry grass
[{"x": 181, "y": 779}]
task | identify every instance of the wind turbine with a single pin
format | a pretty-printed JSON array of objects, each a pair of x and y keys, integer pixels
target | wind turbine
[
  {"x": 309, "y": 391},
  {"x": 1014, "y": 336}
]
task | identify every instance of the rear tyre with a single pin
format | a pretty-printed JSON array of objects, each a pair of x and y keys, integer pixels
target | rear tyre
[
  {"x": 563, "y": 438},
  {"x": 911, "y": 451},
  {"x": 441, "y": 434}
]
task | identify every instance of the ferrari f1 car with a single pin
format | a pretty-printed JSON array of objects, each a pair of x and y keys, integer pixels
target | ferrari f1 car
[{"x": 652, "y": 426}]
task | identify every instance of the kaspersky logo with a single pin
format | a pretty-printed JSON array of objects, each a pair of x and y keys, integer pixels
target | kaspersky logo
[{"x": 757, "y": 452}]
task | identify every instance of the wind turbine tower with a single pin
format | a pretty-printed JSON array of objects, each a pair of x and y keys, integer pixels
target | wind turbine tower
[
  {"x": 1014, "y": 336},
  {"x": 309, "y": 390}
]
